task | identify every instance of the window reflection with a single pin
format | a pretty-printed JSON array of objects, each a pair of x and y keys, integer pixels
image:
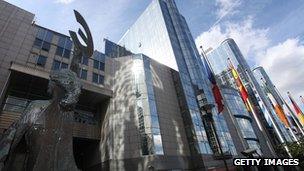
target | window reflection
[
  {"x": 64, "y": 46},
  {"x": 59, "y": 65},
  {"x": 41, "y": 60},
  {"x": 151, "y": 141},
  {"x": 43, "y": 39}
]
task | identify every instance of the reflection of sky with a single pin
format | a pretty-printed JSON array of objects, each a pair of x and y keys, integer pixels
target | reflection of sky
[{"x": 218, "y": 58}]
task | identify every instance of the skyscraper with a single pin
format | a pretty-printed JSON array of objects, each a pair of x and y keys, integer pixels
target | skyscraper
[
  {"x": 162, "y": 33},
  {"x": 264, "y": 81},
  {"x": 218, "y": 59}
]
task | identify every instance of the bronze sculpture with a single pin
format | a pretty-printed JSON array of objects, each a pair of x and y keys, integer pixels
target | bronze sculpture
[{"x": 47, "y": 125}]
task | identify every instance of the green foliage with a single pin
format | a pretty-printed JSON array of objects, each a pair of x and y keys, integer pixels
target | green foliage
[{"x": 296, "y": 151}]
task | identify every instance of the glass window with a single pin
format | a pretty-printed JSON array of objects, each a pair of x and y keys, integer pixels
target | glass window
[
  {"x": 41, "y": 33},
  {"x": 83, "y": 74},
  {"x": 101, "y": 79},
  {"x": 68, "y": 44},
  {"x": 59, "y": 51},
  {"x": 61, "y": 41},
  {"x": 66, "y": 53},
  {"x": 99, "y": 65},
  {"x": 158, "y": 144},
  {"x": 48, "y": 37},
  {"x": 96, "y": 64},
  {"x": 41, "y": 60},
  {"x": 64, "y": 65},
  {"x": 85, "y": 60},
  {"x": 56, "y": 65},
  {"x": 46, "y": 46},
  {"x": 38, "y": 42},
  {"x": 95, "y": 78},
  {"x": 98, "y": 79},
  {"x": 102, "y": 66},
  {"x": 154, "y": 120}
]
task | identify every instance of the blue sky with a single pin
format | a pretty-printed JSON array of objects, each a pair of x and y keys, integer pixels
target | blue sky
[{"x": 269, "y": 32}]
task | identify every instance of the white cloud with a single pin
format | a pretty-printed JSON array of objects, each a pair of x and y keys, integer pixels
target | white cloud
[
  {"x": 249, "y": 39},
  {"x": 64, "y": 1},
  {"x": 283, "y": 61},
  {"x": 226, "y": 7},
  {"x": 284, "y": 64}
]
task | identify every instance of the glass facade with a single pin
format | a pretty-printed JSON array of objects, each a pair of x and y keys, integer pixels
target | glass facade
[
  {"x": 218, "y": 59},
  {"x": 113, "y": 50},
  {"x": 148, "y": 35},
  {"x": 265, "y": 82},
  {"x": 98, "y": 60},
  {"x": 238, "y": 109},
  {"x": 267, "y": 86},
  {"x": 151, "y": 141},
  {"x": 43, "y": 39},
  {"x": 59, "y": 65},
  {"x": 254, "y": 145},
  {"x": 64, "y": 47},
  {"x": 162, "y": 34}
]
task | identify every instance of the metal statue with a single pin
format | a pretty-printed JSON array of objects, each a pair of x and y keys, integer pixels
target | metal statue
[
  {"x": 79, "y": 49},
  {"x": 47, "y": 125}
]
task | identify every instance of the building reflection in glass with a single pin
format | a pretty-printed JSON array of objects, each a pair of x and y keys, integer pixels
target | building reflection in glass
[{"x": 151, "y": 141}]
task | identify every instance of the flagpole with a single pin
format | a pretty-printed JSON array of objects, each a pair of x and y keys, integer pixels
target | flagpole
[
  {"x": 277, "y": 130},
  {"x": 212, "y": 122},
  {"x": 294, "y": 117},
  {"x": 295, "y": 105},
  {"x": 261, "y": 127},
  {"x": 277, "y": 103}
]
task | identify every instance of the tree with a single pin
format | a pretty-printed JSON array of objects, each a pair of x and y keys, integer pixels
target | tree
[{"x": 296, "y": 151}]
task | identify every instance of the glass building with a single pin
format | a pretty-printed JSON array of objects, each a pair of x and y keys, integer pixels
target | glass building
[
  {"x": 243, "y": 119},
  {"x": 218, "y": 59},
  {"x": 265, "y": 82},
  {"x": 162, "y": 33},
  {"x": 113, "y": 50},
  {"x": 269, "y": 88}
]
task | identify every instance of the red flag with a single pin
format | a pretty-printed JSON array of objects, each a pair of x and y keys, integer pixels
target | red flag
[
  {"x": 297, "y": 109},
  {"x": 215, "y": 89}
]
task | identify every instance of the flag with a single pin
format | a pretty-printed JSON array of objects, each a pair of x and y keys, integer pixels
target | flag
[
  {"x": 297, "y": 109},
  {"x": 215, "y": 89},
  {"x": 292, "y": 122},
  {"x": 240, "y": 85},
  {"x": 279, "y": 110}
]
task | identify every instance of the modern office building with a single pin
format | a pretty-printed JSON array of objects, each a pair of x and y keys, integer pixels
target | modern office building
[
  {"x": 162, "y": 33},
  {"x": 218, "y": 59}
]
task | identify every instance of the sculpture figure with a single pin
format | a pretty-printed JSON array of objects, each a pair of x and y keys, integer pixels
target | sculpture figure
[{"x": 47, "y": 125}]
